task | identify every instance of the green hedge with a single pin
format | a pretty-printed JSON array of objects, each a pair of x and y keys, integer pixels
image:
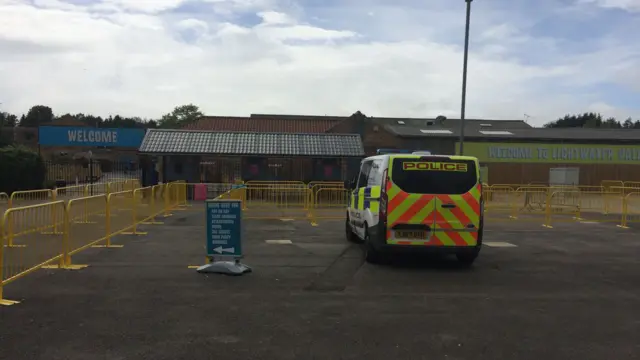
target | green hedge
[{"x": 21, "y": 169}]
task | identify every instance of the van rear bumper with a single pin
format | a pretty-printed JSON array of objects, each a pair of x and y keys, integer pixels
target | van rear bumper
[{"x": 377, "y": 236}]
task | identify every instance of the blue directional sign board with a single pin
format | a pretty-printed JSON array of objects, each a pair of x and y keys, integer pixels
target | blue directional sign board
[{"x": 224, "y": 227}]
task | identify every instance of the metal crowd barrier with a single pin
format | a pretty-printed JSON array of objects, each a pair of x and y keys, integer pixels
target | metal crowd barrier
[
  {"x": 329, "y": 203},
  {"x": 276, "y": 201},
  {"x": 48, "y": 235},
  {"x": 31, "y": 197},
  {"x": 559, "y": 204}
]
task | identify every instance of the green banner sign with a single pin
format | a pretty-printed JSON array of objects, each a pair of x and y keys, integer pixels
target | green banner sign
[{"x": 553, "y": 153}]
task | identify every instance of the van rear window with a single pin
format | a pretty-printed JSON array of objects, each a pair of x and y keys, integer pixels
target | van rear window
[{"x": 439, "y": 176}]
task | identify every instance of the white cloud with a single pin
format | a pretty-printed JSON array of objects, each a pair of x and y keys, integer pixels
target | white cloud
[
  {"x": 303, "y": 32},
  {"x": 150, "y": 6},
  {"x": 630, "y": 5},
  {"x": 135, "y": 58},
  {"x": 275, "y": 18}
]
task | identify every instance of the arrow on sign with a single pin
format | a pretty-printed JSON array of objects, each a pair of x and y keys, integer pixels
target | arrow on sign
[{"x": 220, "y": 250}]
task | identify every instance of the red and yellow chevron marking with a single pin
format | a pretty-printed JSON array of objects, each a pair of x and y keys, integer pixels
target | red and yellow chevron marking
[{"x": 449, "y": 224}]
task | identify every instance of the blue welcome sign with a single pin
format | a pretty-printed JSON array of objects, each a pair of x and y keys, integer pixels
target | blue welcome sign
[
  {"x": 88, "y": 136},
  {"x": 224, "y": 227}
]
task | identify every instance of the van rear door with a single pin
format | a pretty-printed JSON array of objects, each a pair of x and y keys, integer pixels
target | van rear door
[
  {"x": 457, "y": 202},
  {"x": 453, "y": 186},
  {"x": 411, "y": 211}
]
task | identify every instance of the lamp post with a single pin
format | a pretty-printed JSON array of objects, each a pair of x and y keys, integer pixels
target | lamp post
[{"x": 464, "y": 76}]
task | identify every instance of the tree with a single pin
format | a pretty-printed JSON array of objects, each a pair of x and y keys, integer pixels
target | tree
[
  {"x": 180, "y": 117},
  {"x": 8, "y": 120},
  {"x": 7, "y": 123},
  {"x": 37, "y": 115},
  {"x": 593, "y": 120},
  {"x": 21, "y": 169}
]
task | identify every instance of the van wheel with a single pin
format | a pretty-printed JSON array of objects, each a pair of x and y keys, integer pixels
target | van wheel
[
  {"x": 371, "y": 255},
  {"x": 351, "y": 236}
]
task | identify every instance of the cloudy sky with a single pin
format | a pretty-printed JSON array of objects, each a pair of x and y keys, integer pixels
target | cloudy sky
[{"x": 543, "y": 58}]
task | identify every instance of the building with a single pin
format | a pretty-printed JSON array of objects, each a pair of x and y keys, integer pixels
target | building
[
  {"x": 228, "y": 156},
  {"x": 510, "y": 151}
]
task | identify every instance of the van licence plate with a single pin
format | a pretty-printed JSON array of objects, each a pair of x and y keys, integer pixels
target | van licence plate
[{"x": 412, "y": 235}]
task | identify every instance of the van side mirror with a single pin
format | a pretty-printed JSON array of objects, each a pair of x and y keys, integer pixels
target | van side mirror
[{"x": 350, "y": 184}]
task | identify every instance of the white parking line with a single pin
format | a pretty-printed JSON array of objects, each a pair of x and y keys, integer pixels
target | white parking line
[
  {"x": 499, "y": 244},
  {"x": 278, "y": 242}
]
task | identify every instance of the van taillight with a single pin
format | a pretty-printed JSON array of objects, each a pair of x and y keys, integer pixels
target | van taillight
[{"x": 383, "y": 198}]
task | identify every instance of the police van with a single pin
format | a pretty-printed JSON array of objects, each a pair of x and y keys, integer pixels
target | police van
[{"x": 417, "y": 202}]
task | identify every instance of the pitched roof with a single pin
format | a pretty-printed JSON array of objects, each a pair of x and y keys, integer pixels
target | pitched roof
[
  {"x": 520, "y": 134},
  {"x": 453, "y": 123},
  {"x": 158, "y": 141},
  {"x": 267, "y": 123}
]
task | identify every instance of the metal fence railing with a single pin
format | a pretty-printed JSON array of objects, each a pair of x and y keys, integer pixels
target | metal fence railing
[
  {"x": 533, "y": 203},
  {"x": 40, "y": 230}
]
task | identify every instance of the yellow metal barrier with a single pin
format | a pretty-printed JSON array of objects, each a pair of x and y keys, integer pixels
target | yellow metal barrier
[
  {"x": 138, "y": 201},
  {"x": 329, "y": 203},
  {"x": 276, "y": 184},
  {"x": 31, "y": 197},
  {"x": 98, "y": 189},
  {"x": 176, "y": 197},
  {"x": 74, "y": 191},
  {"x": 120, "y": 185},
  {"x": 96, "y": 227},
  {"x": 632, "y": 185},
  {"x": 317, "y": 185},
  {"x": 155, "y": 205},
  {"x": 24, "y": 248},
  {"x": 328, "y": 184},
  {"x": 515, "y": 186},
  {"x": 121, "y": 212},
  {"x": 29, "y": 239},
  {"x": 583, "y": 188},
  {"x": 275, "y": 202},
  {"x": 604, "y": 206},
  {"x": 631, "y": 210},
  {"x": 235, "y": 194},
  {"x": 496, "y": 189},
  {"x": 609, "y": 183},
  {"x": 145, "y": 207},
  {"x": 270, "y": 182},
  {"x": 586, "y": 207},
  {"x": 498, "y": 202},
  {"x": 511, "y": 186},
  {"x": 562, "y": 206},
  {"x": 529, "y": 203}
]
